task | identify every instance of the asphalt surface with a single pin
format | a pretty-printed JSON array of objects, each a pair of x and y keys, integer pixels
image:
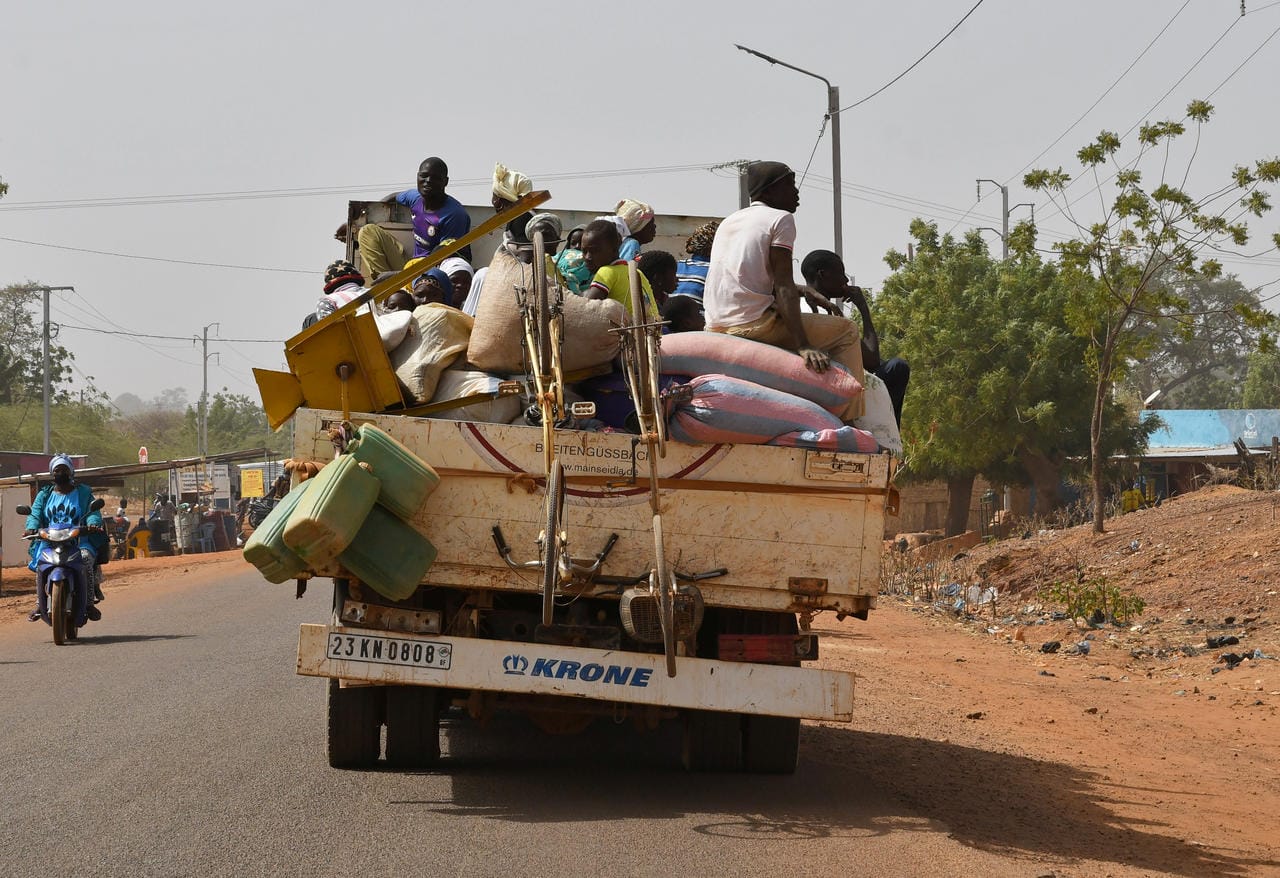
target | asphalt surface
[{"x": 175, "y": 739}]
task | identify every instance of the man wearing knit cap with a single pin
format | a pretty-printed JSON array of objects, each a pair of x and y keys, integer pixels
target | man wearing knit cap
[
  {"x": 642, "y": 228},
  {"x": 750, "y": 290},
  {"x": 342, "y": 284}
]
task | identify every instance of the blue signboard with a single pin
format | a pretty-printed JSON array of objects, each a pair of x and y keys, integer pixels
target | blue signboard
[{"x": 1213, "y": 428}]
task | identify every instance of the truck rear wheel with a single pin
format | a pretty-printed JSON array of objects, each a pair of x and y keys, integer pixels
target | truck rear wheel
[
  {"x": 413, "y": 727},
  {"x": 770, "y": 744},
  {"x": 712, "y": 741},
  {"x": 353, "y": 726}
]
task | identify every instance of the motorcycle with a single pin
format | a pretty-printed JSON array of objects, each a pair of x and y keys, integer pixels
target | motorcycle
[{"x": 61, "y": 575}]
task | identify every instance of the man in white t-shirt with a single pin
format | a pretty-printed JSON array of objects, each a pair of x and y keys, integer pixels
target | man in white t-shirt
[{"x": 751, "y": 291}]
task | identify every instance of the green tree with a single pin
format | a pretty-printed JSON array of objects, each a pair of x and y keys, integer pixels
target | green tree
[
  {"x": 235, "y": 423},
  {"x": 998, "y": 383},
  {"x": 74, "y": 427},
  {"x": 926, "y": 314},
  {"x": 21, "y": 349},
  {"x": 1262, "y": 382},
  {"x": 1146, "y": 236},
  {"x": 1199, "y": 359}
]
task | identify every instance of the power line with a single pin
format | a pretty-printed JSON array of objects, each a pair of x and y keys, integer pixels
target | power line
[
  {"x": 307, "y": 192},
  {"x": 1092, "y": 106},
  {"x": 155, "y": 258},
  {"x": 954, "y": 27},
  {"x": 1061, "y": 211},
  {"x": 1242, "y": 63},
  {"x": 1161, "y": 100},
  {"x": 170, "y": 337}
]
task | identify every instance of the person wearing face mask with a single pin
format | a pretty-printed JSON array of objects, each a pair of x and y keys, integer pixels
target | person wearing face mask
[{"x": 65, "y": 503}]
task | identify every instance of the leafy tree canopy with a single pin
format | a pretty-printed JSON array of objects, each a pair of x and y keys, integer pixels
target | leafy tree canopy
[{"x": 1151, "y": 237}]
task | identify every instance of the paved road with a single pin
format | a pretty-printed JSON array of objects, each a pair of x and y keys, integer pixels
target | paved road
[{"x": 176, "y": 740}]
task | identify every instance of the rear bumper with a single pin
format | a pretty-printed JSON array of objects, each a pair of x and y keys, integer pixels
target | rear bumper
[{"x": 603, "y": 675}]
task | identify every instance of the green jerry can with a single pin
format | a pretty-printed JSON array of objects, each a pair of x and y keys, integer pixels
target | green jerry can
[
  {"x": 265, "y": 548},
  {"x": 388, "y": 555},
  {"x": 407, "y": 480},
  {"x": 326, "y": 519}
]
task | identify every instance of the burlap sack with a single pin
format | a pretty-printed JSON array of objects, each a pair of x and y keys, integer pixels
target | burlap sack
[
  {"x": 437, "y": 336},
  {"x": 496, "y": 338}
]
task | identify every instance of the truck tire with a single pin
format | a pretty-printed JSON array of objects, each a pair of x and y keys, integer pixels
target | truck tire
[
  {"x": 353, "y": 726},
  {"x": 413, "y": 727},
  {"x": 712, "y": 741},
  {"x": 770, "y": 744}
]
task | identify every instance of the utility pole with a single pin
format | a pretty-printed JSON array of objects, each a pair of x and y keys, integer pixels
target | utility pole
[
  {"x": 45, "y": 333},
  {"x": 202, "y": 428},
  {"x": 744, "y": 197},
  {"x": 833, "y": 113},
  {"x": 1004, "y": 212},
  {"x": 837, "y": 193}
]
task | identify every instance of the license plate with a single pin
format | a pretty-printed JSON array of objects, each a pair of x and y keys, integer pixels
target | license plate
[{"x": 389, "y": 651}]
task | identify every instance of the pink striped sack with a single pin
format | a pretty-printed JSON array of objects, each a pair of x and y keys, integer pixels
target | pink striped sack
[
  {"x": 714, "y": 353},
  {"x": 728, "y": 410}
]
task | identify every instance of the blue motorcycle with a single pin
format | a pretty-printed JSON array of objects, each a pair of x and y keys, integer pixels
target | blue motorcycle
[{"x": 61, "y": 575}]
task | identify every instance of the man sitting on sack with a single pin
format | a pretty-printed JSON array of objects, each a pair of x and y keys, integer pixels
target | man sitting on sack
[{"x": 750, "y": 289}]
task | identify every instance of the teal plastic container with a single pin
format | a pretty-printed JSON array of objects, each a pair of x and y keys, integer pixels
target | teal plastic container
[
  {"x": 329, "y": 515},
  {"x": 265, "y": 548},
  {"x": 407, "y": 480},
  {"x": 388, "y": 555}
]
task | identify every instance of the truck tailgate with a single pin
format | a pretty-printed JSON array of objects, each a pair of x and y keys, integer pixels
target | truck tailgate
[{"x": 607, "y": 675}]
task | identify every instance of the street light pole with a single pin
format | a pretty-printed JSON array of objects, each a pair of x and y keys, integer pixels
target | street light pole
[
  {"x": 1004, "y": 212},
  {"x": 833, "y": 113},
  {"x": 202, "y": 428},
  {"x": 46, "y": 291}
]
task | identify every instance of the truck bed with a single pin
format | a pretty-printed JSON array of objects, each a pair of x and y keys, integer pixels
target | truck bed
[{"x": 797, "y": 530}]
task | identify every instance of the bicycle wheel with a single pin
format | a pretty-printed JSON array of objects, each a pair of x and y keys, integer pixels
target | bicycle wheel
[
  {"x": 541, "y": 299},
  {"x": 644, "y": 400},
  {"x": 554, "y": 509},
  {"x": 666, "y": 597},
  {"x": 653, "y": 348}
]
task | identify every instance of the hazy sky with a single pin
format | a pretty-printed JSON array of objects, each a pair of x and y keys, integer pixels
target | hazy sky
[{"x": 326, "y": 101}]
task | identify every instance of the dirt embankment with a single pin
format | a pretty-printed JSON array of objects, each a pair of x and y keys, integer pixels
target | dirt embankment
[{"x": 1145, "y": 751}]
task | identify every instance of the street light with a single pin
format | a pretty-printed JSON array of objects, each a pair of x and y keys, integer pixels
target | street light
[
  {"x": 833, "y": 113},
  {"x": 1004, "y": 212}
]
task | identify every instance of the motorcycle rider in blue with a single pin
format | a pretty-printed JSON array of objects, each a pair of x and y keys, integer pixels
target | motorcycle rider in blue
[{"x": 66, "y": 503}]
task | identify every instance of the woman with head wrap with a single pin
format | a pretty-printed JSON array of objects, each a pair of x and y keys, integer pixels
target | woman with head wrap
[
  {"x": 691, "y": 273},
  {"x": 460, "y": 273},
  {"x": 641, "y": 227},
  {"x": 508, "y": 187}
]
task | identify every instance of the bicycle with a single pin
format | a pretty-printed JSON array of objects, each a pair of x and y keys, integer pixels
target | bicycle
[
  {"x": 641, "y": 361},
  {"x": 542, "y": 319}
]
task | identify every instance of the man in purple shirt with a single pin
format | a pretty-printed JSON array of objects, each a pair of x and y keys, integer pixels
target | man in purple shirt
[{"x": 437, "y": 217}]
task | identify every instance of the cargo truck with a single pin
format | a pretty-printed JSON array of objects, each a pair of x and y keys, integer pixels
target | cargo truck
[{"x": 760, "y": 539}]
